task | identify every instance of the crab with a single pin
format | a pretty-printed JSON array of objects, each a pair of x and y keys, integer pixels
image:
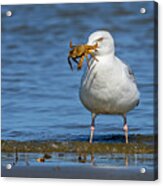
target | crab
[{"x": 81, "y": 51}]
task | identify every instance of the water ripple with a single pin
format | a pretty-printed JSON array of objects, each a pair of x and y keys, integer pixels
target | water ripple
[{"x": 39, "y": 92}]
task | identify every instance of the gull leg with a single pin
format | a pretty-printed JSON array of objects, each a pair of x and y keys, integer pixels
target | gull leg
[
  {"x": 125, "y": 128},
  {"x": 92, "y": 127}
]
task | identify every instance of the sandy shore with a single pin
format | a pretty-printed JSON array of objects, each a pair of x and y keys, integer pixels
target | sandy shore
[
  {"x": 79, "y": 172},
  {"x": 140, "y": 145}
]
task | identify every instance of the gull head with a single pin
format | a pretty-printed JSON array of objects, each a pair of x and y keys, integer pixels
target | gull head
[{"x": 104, "y": 40}]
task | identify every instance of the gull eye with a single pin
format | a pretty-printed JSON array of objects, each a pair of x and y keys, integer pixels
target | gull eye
[{"x": 100, "y": 39}]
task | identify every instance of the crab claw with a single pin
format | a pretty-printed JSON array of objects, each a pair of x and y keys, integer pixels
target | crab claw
[
  {"x": 70, "y": 45},
  {"x": 69, "y": 62},
  {"x": 79, "y": 68}
]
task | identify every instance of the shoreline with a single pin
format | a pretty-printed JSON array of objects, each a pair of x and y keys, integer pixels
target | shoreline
[{"x": 142, "y": 145}]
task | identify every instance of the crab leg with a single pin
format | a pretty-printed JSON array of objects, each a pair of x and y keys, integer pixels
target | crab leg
[
  {"x": 86, "y": 55},
  {"x": 80, "y": 62},
  {"x": 70, "y": 64},
  {"x": 92, "y": 55},
  {"x": 74, "y": 59},
  {"x": 71, "y": 46},
  {"x": 90, "y": 47}
]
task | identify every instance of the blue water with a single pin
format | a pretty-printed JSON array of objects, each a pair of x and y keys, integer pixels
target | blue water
[{"x": 39, "y": 92}]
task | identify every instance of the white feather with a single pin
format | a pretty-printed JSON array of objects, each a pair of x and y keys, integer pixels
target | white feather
[{"x": 108, "y": 87}]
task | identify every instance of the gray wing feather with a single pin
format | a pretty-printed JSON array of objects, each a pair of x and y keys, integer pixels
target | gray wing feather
[{"x": 130, "y": 74}]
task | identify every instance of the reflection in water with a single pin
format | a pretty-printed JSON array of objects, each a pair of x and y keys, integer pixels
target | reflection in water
[
  {"x": 84, "y": 158},
  {"x": 126, "y": 160},
  {"x": 94, "y": 159},
  {"x": 16, "y": 158},
  {"x": 27, "y": 159}
]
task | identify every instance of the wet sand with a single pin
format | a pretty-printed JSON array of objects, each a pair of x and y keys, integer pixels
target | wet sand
[
  {"x": 79, "y": 172},
  {"x": 138, "y": 144}
]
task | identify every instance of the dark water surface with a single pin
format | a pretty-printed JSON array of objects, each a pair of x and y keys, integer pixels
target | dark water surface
[{"x": 39, "y": 92}]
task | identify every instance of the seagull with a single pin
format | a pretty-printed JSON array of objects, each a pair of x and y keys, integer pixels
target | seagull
[{"x": 108, "y": 86}]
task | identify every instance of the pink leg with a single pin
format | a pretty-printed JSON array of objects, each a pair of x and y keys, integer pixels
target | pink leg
[
  {"x": 125, "y": 128},
  {"x": 92, "y": 127}
]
